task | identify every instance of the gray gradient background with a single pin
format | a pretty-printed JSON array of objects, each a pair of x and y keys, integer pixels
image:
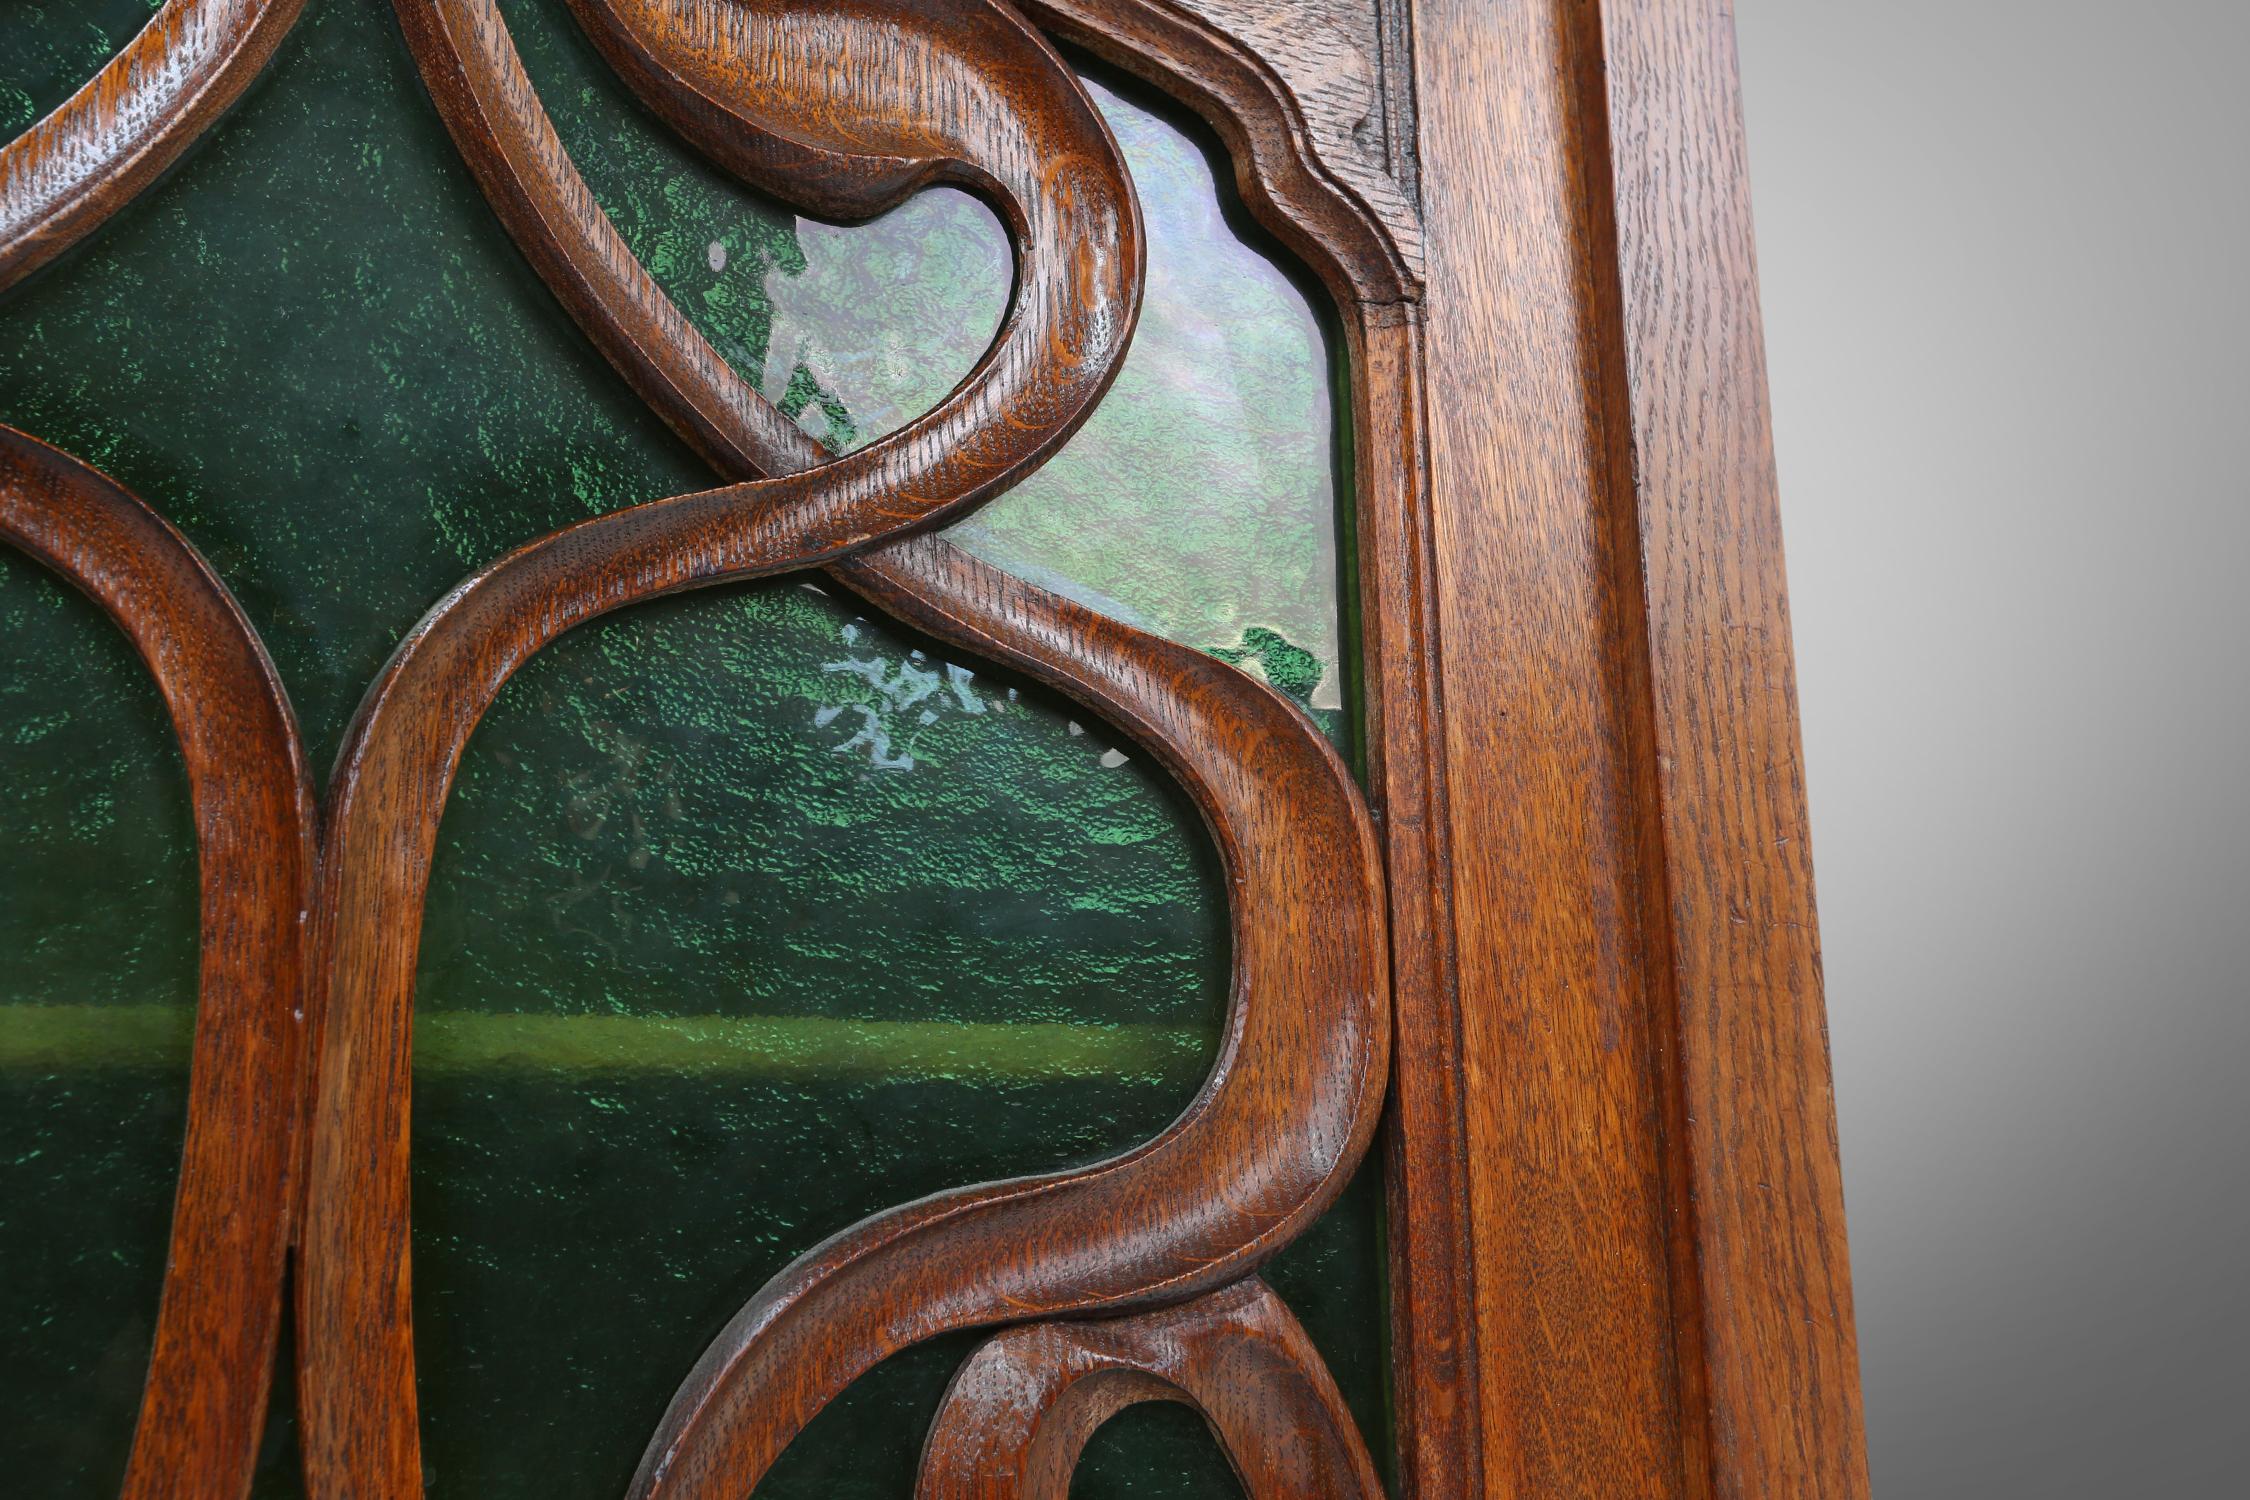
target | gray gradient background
[{"x": 2003, "y": 246}]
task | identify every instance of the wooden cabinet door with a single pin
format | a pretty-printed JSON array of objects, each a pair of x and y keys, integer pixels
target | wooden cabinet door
[{"x": 1177, "y": 604}]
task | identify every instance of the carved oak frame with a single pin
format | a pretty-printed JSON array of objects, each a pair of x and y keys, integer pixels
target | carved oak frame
[{"x": 1618, "y": 1252}]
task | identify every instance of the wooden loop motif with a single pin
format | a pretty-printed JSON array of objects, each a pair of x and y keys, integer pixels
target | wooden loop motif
[
  {"x": 844, "y": 107},
  {"x": 203, "y": 1409},
  {"x": 66, "y": 174},
  {"x": 875, "y": 110},
  {"x": 1245, "y": 1168},
  {"x": 1287, "y": 1112},
  {"x": 1291, "y": 1105},
  {"x": 1020, "y": 1412}
]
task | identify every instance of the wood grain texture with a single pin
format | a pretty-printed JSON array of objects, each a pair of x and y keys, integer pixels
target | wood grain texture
[
  {"x": 1345, "y": 62},
  {"x": 1254, "y": 110},
  {"x": 203, "y": 1408},
  {"x": 1288, "y": 1110},
  {"x": 1020, "y": 1412},
  {"x": 1765, "y": 1222},
  {"x": 917, "y": 99},
  {"x": 1663, "y": 1306},
  {"x": 1617, "y": 1241},
  {"x": 1436, "y": 1382},
  {"x": 1578, "y": 1374},
  {"x": 117, "y": 134}
]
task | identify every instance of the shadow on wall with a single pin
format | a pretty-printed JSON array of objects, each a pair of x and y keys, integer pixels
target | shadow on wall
[{"x": 2001, "y": 250}]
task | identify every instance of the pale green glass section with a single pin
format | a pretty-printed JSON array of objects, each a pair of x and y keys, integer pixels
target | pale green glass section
[{"x": 1199, "y": 500}]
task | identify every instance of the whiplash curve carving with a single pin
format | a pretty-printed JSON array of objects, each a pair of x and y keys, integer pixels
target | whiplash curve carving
[
  {"x": 843, "y": 108},
  {"x": 203, "y": 1405},
  {"x": 1291, "y": 1105}
]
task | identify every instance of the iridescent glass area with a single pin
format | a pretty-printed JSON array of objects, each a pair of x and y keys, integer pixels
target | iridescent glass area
[{"x": 753, "y": 913}]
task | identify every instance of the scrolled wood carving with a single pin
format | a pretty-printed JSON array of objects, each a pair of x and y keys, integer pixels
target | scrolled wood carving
[
  {"x": 1020, "y": 1412},
  {"x": 844, "y": 107},
  {"x": 1300, "y": 159},
  {"x": 1292, "y": 1102},
  {"x": 117, "y": 134},
  {"x": 861, "y": 113},
  {"x": 203, "y": 1408}
]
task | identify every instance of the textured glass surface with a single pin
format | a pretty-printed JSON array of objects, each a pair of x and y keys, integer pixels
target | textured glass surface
[
  {"x": 97, "y": 988},
  {"x": 752, "y": 914}
]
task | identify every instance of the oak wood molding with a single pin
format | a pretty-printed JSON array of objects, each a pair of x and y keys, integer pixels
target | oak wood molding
[
  {"x": 1761, "y": 1203},
  {"x": 1373, "y": 270},
  {"x": 1659, "y": 1276},
  {"x": 1020, "y": 1412},
  {"x": 203, "y": 1407},
  {"x": 1347, "y": 63},
  {"x": 117, "y": 134},
  {"x": 1355, "y": 228},
  {"x": 1561, "y": 1026},
  {"x": 1617, "y": 1243},
  {"x": 1436, "y": 1361}
]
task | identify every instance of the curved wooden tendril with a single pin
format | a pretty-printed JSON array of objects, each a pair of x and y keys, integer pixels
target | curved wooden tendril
[
  {"x": 66, "y": 174},
  {"x": 962, "y": 92},
  {"x": 1291, "y": 1104},
  {"x": 203, "y": 1409},
  {"x": 1022, "y": 1409},
  {"x": 844, "y": 107}
]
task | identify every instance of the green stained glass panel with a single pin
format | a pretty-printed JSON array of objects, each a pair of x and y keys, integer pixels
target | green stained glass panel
[{"x": 753, "y": 913}]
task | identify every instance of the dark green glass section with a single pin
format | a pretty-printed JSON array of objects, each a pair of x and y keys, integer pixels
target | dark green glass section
[
  {"x": 917, "y": 931},
  {"x": 97, "y": 937},
  {"x": 1157, "y": 1448},
  {"x": 752, "y": 915}
]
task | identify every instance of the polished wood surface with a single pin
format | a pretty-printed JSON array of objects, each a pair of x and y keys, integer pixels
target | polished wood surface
[
  {"x": 1142, "y": 684},
  {"x": 66, "y": 174},
  {"x": 1578, "y": 1370},
  {"x": 1763, "y": 1209},
  {"x": 1655, "y": 1231},
  {"x": 203, "y": 1409},
  {"x": 1345, "y": 67},
  {"x": 1022, "y": 1409},
  {"x": 915, "y": 104},
  {"x": 1364, "y": 243},
  {"x": 1280, "y": 143}
]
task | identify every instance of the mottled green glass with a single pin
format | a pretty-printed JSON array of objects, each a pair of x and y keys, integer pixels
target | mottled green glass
[
  {"x": 97, "y": 988},
  {"x": 752, "y": 914}
]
